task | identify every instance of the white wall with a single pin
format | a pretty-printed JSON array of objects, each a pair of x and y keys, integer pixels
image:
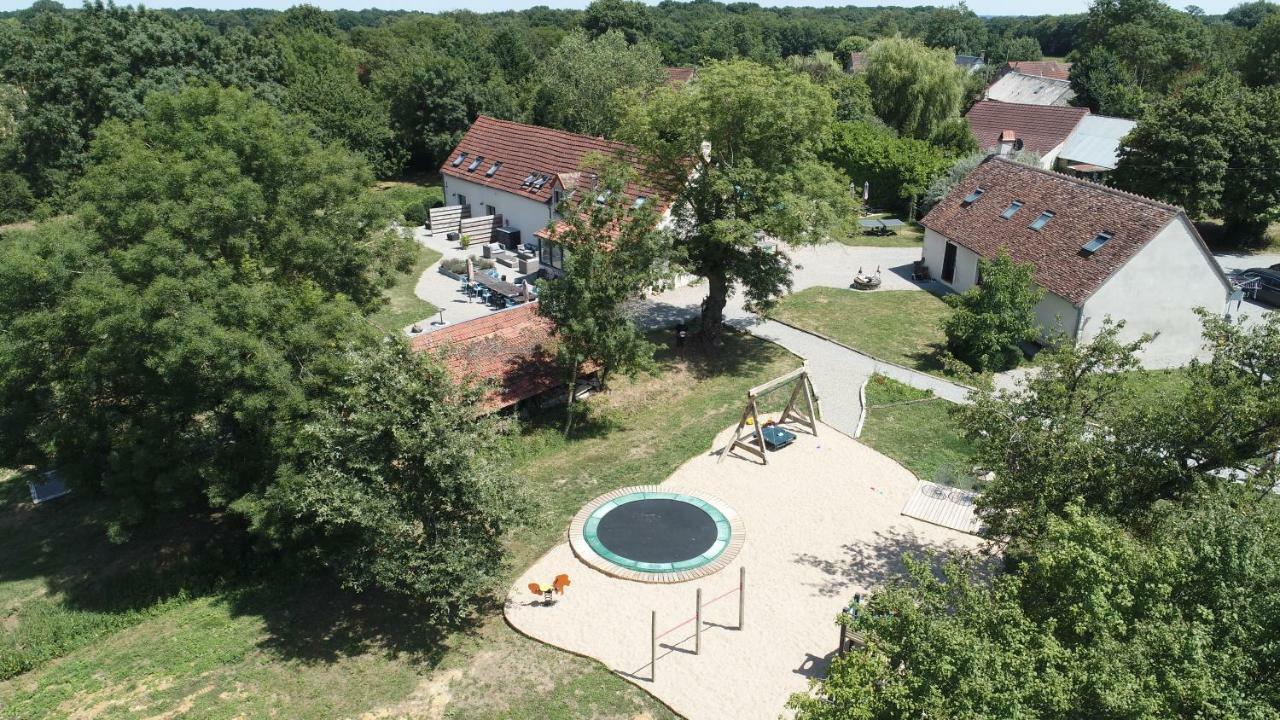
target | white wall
[
  {"x": 1055, "y": 314},
  {"x": 528, "y": 215},
  {"x": 1156, "y": 291},
  {"x": 966, "y": 273},
  {"x": 1052, "y": 311}
]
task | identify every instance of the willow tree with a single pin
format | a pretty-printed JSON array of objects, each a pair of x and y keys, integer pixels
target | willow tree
[
  {"x": 741, "y": 147},
  {"x": 915, "y": 89}
]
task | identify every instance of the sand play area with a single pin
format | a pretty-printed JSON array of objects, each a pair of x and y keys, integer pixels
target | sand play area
[{"x": 823, "y": 521}]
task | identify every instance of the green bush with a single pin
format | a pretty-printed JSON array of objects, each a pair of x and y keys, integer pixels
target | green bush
[
  {"x": 992, "y": 319},
  {"x": 416, "y": 214},
  {"x": 458, "y": 266}
]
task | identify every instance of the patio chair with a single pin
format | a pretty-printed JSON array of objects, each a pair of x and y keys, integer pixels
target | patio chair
[{"x": 920, "y": 271}]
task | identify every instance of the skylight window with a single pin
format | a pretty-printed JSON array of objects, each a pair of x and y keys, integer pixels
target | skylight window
[
  {"x": 640, "y": 201},
  {"x": 603, "y": 197},
  {"x": 475, "y": 163},
  {"x": 1012, "y": 210},
  {"x": 493, "y": 169},
  {"x": 542, "y": 180},
  {"x": 458, "y": 160},
  {"x": 529, "y": 180},
  {"x": 1043, "y": 220},
  {"x": 1095, "y": 244},
  {"x": 972, "y": 197}
]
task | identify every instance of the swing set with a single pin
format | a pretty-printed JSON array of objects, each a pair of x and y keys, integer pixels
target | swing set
[{"x": 800, "y": 410}]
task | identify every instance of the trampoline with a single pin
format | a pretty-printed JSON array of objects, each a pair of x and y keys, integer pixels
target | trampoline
[{"x": 656, "y": 535}]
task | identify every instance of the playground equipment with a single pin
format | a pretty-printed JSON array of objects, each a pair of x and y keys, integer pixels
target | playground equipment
[
  {"x": 656, "y": 534},
  {"x": 755, "y": 441},
  {"x": 696, "y": 619}
]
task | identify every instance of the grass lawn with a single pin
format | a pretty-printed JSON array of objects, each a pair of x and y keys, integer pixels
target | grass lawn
[
  {"x": 918, "y": 431},
  {"x": 404, "y": 307},
  {"x": 131, "y": 631},
  {"x": 900, "y": 326},
  {"x": 852, "y": 234},
  {"x": 402, "y": 193}
]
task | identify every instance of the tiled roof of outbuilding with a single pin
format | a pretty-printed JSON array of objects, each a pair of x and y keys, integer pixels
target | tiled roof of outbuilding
[
  {"x": 1081, "y": 210},
  {"x": 513, "y": 348},
  {"x": 677, "y": 76},
  {"x": 1043, "y": 68},
  {"x": 526, "y": 150},
  {"x": 1041, "y": 128}
]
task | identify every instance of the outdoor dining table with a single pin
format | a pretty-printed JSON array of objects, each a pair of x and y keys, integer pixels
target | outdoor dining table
[{"x": 501, "y": 287}]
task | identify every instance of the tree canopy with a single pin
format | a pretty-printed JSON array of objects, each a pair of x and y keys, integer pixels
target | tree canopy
[
  {"x": 217, "y": 269},
  {"x": 757, "y": 171},
  {"x": 1211, "y": 149},
  {"x": 584, "y": 76},
  {"x": 1137, "y": 573},
  {"x": 915, "y": 89}
]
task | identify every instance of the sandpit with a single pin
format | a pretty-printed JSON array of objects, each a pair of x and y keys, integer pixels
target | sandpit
[{"x": 825, "y": 522}]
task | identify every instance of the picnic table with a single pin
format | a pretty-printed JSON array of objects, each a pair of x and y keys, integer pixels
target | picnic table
[{"x": 880, "y": 226}]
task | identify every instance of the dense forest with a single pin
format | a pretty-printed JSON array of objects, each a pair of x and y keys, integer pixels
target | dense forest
[{"x": 398, "y": 88}]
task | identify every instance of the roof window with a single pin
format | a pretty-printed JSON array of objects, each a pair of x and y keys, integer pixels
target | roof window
[
  {"x": 1095, "y": 244},
  {"x": 542, "y": 180},
  {"x": 1041, "y": 221},
  {"x": 529, "y": 180},
  {"x": 475, "y": 163},
  {"x": 640, "y": 201},
  {"x": 493, "y": 168},
  {"x": 972, "y": 197},
  {"x": 1012, "y": 210},
  {"x": 458, "y": 160}
]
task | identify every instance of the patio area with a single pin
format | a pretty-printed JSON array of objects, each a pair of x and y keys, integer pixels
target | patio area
[{"x": 822, "y": 521}]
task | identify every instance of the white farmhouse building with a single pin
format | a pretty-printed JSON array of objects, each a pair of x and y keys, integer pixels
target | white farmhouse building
[
  {"x": 522, "y": 172},
  {"x": 1097, "y": 252}
]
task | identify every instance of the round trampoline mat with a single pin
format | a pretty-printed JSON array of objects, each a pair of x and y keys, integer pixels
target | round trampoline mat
[
  {"x": 653, "y": 535},
  {"x": 657, "y": 530}
]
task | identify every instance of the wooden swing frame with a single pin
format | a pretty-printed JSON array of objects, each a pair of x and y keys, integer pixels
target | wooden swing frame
[{"x": 802, "y": 390}]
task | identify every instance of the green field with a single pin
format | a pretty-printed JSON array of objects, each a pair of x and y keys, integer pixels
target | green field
[
  {"x": 918, "y": 431},
  {"x": 138, "y": 630}
]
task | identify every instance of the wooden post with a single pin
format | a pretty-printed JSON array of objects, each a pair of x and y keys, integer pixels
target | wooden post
[
  {"x": 697, "y": 627},
  {"x": 844, "y": 638},
  {"x": 742, "y": 592},
  {"x": 653, "y": 645}
]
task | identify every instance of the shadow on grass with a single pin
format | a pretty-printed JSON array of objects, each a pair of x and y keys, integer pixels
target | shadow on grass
[{"x": 92, "y": 587}]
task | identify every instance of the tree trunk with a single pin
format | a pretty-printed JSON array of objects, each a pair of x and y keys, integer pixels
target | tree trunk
[
  {"x": 713, "y": 307},
  {"x": 568, "y": 403}
]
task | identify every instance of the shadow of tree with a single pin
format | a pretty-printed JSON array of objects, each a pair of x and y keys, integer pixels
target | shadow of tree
[
  {"x": 866, "y": 565},
  {"x": 92, "y": 586}
]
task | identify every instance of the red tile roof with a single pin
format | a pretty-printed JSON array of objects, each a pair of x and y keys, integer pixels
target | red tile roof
[
  {"x": 1081, "y": 210},
  {"x": 513, "y": 348},
  {"x": 528, "y": 149},
  {"x": 1043, "y": 68},
  {"x": 677, "y": 76},
  {"x": 1041, "y": 128}
]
